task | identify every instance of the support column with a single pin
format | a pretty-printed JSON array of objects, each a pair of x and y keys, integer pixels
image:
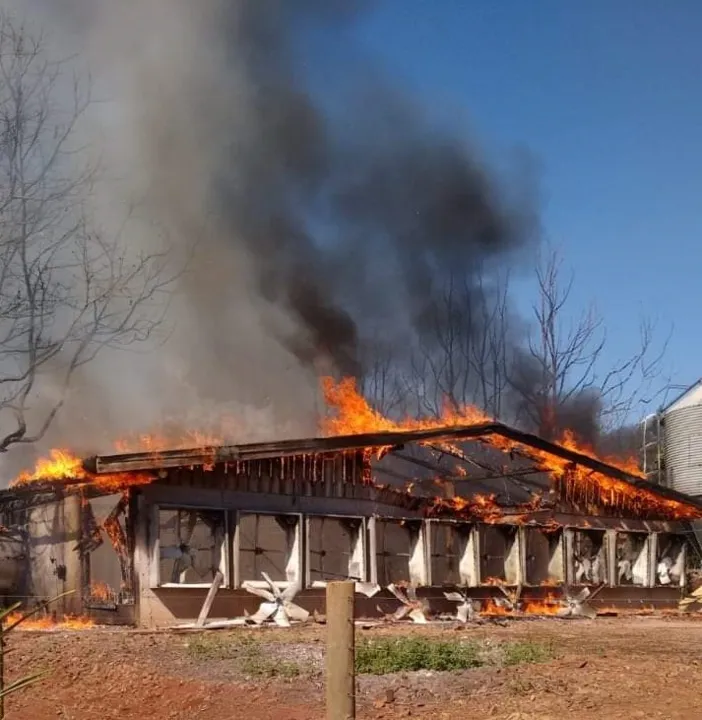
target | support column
[
  {"x": 652, "y": 543},
  {"x": 73, "y": 580},
  {"x": 372, "y": 550},
  {"x": 611, "y": 555}
]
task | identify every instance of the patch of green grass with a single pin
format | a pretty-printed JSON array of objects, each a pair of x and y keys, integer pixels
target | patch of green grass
[
  {"x": 406, "y": 654},
  {"x": 526, "y": 653},
  {"x": 409, "y": 654}
]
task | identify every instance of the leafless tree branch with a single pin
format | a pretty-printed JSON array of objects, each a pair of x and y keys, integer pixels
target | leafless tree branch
[
  {"x": 559, "y": 378},
  {"x": 458, "y": 359},
  {"x": 67, "y": 291}
]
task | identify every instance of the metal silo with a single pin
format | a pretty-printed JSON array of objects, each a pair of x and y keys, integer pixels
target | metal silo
[{"x": 683, "y": 448}]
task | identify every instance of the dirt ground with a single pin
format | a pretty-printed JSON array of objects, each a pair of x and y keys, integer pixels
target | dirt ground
[{"x": 643, "y": 667}]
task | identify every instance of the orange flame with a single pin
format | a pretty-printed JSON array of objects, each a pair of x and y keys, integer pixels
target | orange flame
[
  {"x": 354, "y": 416},
  {"x": 45, "y": 622},
  {"x": 350, "y": 413},
  {"x": 549, "y": 605},
  {"x": 101, "y": 592},
  {"x": 157, "y": 443},
  {"x": 492, "y": 581},
  {"x": 491, "y": 609},
  {"x": 63, "y": 466}
]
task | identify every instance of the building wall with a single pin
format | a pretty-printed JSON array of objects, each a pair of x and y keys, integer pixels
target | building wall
[
  {"x": 41, "y": 557},
  {"x": 299, "y": 539},
  {"x": 52, "y": 566},
  {"x": 162, "y": 605}
]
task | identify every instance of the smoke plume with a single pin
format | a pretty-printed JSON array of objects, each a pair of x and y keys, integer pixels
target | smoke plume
[{"x": 318, "y": 212}]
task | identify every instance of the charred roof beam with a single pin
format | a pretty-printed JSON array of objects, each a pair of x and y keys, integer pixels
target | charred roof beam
[
  {"x": 518, "y": 476},
  {"x": 206, "y": 456}
]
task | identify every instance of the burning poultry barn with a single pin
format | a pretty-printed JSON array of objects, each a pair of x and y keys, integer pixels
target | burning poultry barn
[{"x": 484, "y": 510}]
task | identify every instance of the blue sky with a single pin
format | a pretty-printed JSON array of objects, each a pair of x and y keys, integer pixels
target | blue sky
[{"x": 607, "y": 96}]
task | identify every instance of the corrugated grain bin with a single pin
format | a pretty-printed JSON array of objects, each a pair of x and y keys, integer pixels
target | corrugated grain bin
[{"x": 683, "y": 449}]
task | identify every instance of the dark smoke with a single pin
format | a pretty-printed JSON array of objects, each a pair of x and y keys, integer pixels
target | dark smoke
[
  {"x": 327, "y": 214},
  {"x": 580, "y": 413},
  {"x": 543, "y": 404},
  {"x": 352, "y": 222}
]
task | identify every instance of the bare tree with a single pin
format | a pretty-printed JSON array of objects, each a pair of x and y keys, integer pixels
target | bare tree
[
  {"x": 382, "y": 381},
  {"x": 461, "y": 355},
  {"x": 561, "y": 378},
  {"x": 66, "y": 290}
]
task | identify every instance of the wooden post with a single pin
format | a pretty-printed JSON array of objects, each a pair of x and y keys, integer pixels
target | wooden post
[
  {"x": 218, "y": 579},
  {"x": 341, "y": 690}
]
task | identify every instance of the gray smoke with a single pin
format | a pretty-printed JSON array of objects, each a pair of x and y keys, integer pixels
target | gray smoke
[{"x": 317, "y": 223}]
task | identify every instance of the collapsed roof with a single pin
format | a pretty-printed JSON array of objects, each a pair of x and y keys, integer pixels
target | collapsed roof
[{"x": 455, "y": 471}]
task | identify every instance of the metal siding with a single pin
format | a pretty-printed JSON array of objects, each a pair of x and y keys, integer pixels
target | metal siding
[
  {"x": 13, "y": 564},
  {"x": 683, "y": 449}
]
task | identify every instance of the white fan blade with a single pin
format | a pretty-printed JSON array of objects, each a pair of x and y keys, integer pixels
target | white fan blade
[
  {"x": 280, "y": 617},
  {"x": 367, "y": 589},
  {"x": 274, "y": 588},
  {"x": 418, "y": 616},
  {"x": 289, "y": 593},
  {"x": 464, "y": 612},
  {"x": 397, "y": 593},
  {"x": 663, "y": 574},
  {"x": 239, "y": 621},
  {"x": 261, "y": 592},
  {"x": 586, "y": 610},
  {"x": 401, "y": 613},
  {"x": 295, "y": 612},
  {"x": 583, "y": 595},
  {"x": 265, "y": 610},
  {"x": 503, "y": 590}
]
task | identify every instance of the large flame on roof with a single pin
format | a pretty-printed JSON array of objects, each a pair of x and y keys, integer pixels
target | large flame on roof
[
  {"x": 63, "y": 466},
  {"x": 350, "y": 413}
]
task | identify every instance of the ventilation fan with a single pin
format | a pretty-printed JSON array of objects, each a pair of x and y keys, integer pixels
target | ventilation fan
[
  {"x": 278, "y": 605},
  {"x": 465, "y": 612},
  {"x": 411, "y": 606},
  {"x": 577, "y": 605}
]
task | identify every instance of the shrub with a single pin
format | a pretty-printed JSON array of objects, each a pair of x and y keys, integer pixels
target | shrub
[
  {"x": 388, "y": 655},
  {"x": 526, "y": 653}
]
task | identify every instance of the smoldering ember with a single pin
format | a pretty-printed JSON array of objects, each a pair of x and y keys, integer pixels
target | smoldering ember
[{"x": 461, "y": 515}]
